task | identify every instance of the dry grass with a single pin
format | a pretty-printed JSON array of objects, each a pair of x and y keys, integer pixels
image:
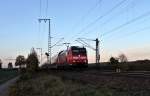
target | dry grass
[{"x": 44, "y": 84}]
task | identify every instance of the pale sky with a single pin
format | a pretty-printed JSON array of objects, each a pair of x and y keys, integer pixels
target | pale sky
[{"x": 125, "y": 21}]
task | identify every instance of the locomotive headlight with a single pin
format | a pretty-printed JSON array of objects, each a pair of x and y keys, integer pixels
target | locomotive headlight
[{"x": 74, "y": 61}]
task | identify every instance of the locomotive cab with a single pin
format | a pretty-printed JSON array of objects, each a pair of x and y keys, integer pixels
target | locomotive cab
[
  {"x": 73, "y": 56},
  {"x": 77, "y": 56}
]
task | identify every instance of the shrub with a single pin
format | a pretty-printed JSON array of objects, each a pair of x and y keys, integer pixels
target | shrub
[
  {"x": 32, "y": 62},
  {"x": 20, "y": 61}
]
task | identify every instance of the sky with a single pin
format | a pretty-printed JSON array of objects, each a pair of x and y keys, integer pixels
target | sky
[{"x": 122, "y": 26}]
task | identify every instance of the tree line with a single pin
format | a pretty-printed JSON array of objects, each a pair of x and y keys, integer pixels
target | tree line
[
  {"x": 120, "y": 63},
  {"x": 29, "y": 64}
]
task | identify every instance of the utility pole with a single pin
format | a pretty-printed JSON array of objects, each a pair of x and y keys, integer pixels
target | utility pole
[
  {"x": 97, "y": 51},
  {"x": 49, "y": 37}
]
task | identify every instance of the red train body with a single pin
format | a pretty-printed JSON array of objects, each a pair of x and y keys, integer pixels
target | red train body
[{"x": 74, "y": 56}]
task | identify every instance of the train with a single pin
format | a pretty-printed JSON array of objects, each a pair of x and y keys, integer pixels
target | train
[{"x": 72, "y": 56}]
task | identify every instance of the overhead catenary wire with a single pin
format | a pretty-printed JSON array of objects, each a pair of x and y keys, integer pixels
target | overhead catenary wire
[
  {"x": 87, "y": 39},
  {"x": 85, "y": 44},
  {"x": 61, "y": 39}
]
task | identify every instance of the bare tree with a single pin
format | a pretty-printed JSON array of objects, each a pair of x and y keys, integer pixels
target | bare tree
[
  {"x": 123, "y": 62},
  {"x": 123, "y": 58}
]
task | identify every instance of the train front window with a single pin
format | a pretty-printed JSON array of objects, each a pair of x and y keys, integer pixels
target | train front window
[
  {"x": 75, "y": 52},
  {"x": 79, "y": 51},
  {"x": 82, "y": 50}
]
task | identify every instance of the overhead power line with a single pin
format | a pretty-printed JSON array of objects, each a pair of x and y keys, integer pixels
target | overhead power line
[
  {"x": 131, "y": 33},
  {"x": 111, "y": 18},
  {"x": 47, "y": 3},
  {"x": 61, "y": 39},
  {"x": 102, "y": 16},
  {"x": 86, "y": 39},
  {"x": 43, "y": 8},
  {"x": 127, "y": 23},
  {"x": 40, "y": 9},
  {"x": 84, "y": 17},
  {"x": 143, "y": 21},
  {"x": 87, "y": 14}
]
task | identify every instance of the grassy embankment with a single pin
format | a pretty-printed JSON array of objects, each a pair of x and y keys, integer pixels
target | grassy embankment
[
  {"x": 6, "y": 75},
  {"x": 43, "y": 84},
  {"x": 47, "y": 85}
]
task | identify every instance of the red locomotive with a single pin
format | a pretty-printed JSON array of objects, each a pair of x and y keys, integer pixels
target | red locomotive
[{"x": 74, "y": 56}]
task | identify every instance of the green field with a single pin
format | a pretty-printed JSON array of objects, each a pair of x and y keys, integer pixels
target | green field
[{"x": 6, "y": 75}]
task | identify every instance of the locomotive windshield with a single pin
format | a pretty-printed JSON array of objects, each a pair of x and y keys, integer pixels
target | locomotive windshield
[{"x": 77, "y": 51}]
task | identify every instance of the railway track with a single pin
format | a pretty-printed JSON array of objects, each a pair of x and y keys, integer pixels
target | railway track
[
  {"x": 111, "y": 79},
  {"x": 123, "y": 82},
  {"x": 131, "y": 74}
]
